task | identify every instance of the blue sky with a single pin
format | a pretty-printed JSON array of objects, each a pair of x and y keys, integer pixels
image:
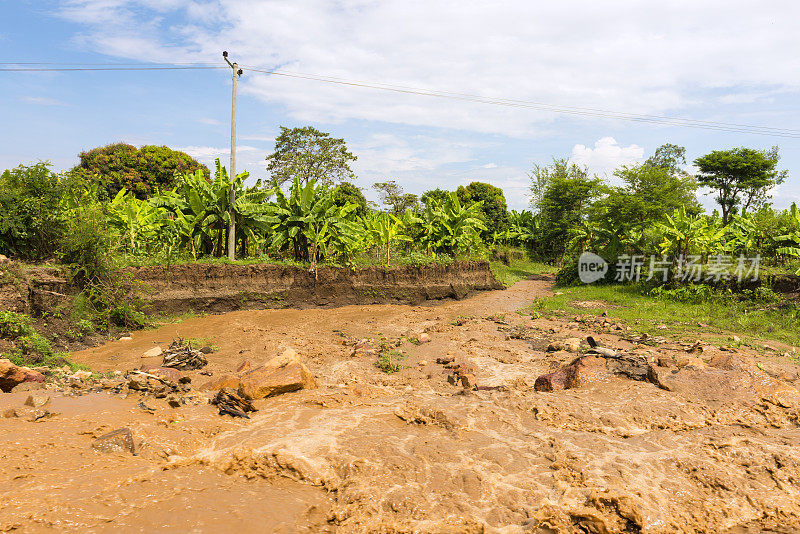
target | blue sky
[{"x": 714, "y": 61}]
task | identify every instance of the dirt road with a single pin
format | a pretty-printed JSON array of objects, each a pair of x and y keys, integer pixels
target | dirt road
[{"x": 409, "y": 452}]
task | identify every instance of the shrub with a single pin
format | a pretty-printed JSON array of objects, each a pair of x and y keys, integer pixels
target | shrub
[
  {"x": 141, "y": 171},
  {"x": 30, "y": 209}
]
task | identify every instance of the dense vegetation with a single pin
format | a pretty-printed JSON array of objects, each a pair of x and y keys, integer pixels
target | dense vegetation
[{"x": 123, "y": 205}]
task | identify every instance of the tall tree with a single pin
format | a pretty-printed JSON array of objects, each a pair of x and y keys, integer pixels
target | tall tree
[
  {"x": 651, "y": 190},
  {"x": 392, "y": 197},
  {"x": 309, "y": 154},
  {"x": 567, "y": 192},
  {"x": 141, "y": 171},
  {"x": 740, "y": 177},
  {"x": 494, "y": 206}
]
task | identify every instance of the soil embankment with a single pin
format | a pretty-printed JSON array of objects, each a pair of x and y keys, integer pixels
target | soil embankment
[
  {"x": 221, "y": 287},
  {"x": 708, "y": 444}
]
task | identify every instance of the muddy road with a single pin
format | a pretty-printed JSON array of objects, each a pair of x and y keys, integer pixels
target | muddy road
[{"x": 707, "y": 441}]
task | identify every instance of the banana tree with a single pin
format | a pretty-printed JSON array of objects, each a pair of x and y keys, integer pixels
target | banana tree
[
  {"x": 137, "y": 220},
  {"x": 792, "y": 237}
]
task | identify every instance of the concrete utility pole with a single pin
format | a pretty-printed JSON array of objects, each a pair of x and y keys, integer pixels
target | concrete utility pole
[{"x": 232, "y": 212}]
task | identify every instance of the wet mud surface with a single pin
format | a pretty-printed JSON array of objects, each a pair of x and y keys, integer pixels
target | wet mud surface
[{"x": 709, "y": 443}]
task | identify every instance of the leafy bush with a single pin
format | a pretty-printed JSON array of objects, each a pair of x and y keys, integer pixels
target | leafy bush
[
  {"x": 14, "y": 325},
  {"x": 141, "y": 171},
  {"x": 30, "y": 207}
]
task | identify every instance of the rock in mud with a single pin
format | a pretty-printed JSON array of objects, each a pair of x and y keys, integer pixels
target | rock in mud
[
  {"x": 27, "y": 386},
  {"x": 281, "y": 374},
  {"x": 153, "y": 353},
  {"x": 221, "y": 382},
  {"x": 166, "y": 373},
  {"x": 37, "y": 400},
  {"x": 581, "y": 372},
  {"x": 120, "y": 440},
  {"x": 12, "y": 375}
]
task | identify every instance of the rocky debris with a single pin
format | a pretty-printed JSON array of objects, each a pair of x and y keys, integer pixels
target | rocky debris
[
  {"x": 423, "y": 338},
  {"x": 37, "y": 400},
  {"x": 81, "y": 375},
  {"x": 572, "y": 344},
  {"x": 116, "y": 441},
  {"x": 27, "y": 386},
  {"x": 153, "y": 353},
  {"x": 166, "y": 373},
  {"x": 281, "y": 374},
  {"x": 231, "y": 403},
  {"x": 30, "y": 414},
  {"x": 12, "y": 375},
  {"x": 582, "y": 371},
  {"x": 183, "y": 356},
  {"x": 363, "y": 347}
]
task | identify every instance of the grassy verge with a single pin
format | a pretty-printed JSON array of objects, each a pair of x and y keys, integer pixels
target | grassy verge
[
  {"x": 755, "y": 321},
  {"x": 519, "y": 269}
]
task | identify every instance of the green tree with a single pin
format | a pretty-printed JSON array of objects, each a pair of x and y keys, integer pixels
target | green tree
[
  {"x": 493, "y": 205},
  {"x": 741, "y": 177},
  {"x": 568, "y": 192},
  {"x": 434, "y": 195},
  {"x": 141, "y": 171},
  {"x": 309, "y": 154},
  {"x": 392, "y": 196},
  {"x": 31, "y": 220},
  {"x": 346, "y": 193},
  {"x": 668, "y": 157}
]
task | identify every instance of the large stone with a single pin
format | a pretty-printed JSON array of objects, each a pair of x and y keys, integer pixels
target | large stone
[
  {"x": 581, "y": 372},
  {"x": 153, "y": 353},
  {"x": 281, "y": 374},
  {"x": 37, "y": 399},
  {"x": 221, "y": 382},
  {"x": 12, "y": 375},
  {"x": 120, "y": 440},
  {"x": 165, "y": 373}
]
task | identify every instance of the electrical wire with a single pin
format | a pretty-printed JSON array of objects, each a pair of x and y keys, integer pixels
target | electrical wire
[{"x": 539, "y": 106}]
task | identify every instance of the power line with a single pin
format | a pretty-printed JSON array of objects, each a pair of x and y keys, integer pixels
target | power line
[
  {"x": 26, "y": 69},
  {"x": 540, "y": 106}
]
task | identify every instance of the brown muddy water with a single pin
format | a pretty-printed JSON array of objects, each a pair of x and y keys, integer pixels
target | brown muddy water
[{"x": 408, "y": 452}]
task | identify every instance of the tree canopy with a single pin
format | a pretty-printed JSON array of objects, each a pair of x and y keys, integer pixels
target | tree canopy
[
  {"x": 392, "y": 197},
  {"x": 741, "y": 177},
  {"x": 564, "y": 192},
  {"x": 309, "y": 154},
  {"x": 347, "y": 193},
  {"x": 494, "y": 206},
  {"x": 141, "y": 171}
]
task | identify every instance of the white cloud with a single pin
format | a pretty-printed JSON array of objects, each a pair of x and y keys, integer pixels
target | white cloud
[
  {"x": 606, "y": 155},
  {"x": 209, "y": 121},
  {"x": 639, "y": 58}
]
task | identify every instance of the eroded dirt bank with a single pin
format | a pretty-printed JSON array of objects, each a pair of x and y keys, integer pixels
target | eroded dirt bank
[
  {"x": 221, "y": 288},
  {"x": 717, "y": 451}
]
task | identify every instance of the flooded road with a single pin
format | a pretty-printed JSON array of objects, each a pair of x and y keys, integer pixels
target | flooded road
[{"x": 369, "y": 451}]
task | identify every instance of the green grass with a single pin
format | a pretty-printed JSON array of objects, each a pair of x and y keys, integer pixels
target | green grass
[
  {"x": 751, "y": 320},
  {"x": 519, "y": 269}
]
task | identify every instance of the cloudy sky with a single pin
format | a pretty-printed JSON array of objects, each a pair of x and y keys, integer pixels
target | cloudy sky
[{"x": 732, "y": 62}]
